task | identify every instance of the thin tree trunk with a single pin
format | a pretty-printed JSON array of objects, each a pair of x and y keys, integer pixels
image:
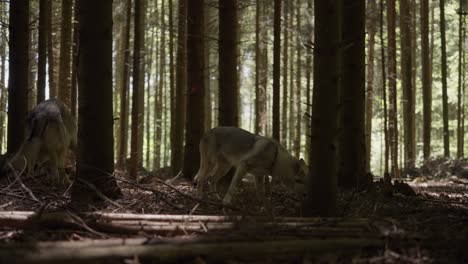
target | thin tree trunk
[
  {"x": 65, "y": 53},
  {"x": 136, "y": 97},
  {"x": 18, "y": 72},
  {"x": 384, "y": 90},
  {"x": 443, "y": 56},
  {"x": 3, "y": 88},
  {"x": 297, "y": 142},
  {"x": 208, "y": 43},
  {"x": 228, "y": 53},
  {"x": 181, "y": 82},
  {"x": 171, "y": 71},
  {"x": 426, "y": 79},
  {"x": 322, "y": 188},
  {"x": 196, "y": 89},
  {"x": 393, "y": 112},
  {"x": 276, "y": 69},
  {"x": 308, "y": 78},
  {"x": 460, "y": 105},
  {"x": 50, "y": 51},
  {"x": 292, "y": 114},
  {"x": 284, "y": 106},
  {"x": 95, "y": 164},
  {"x": 371, "y": 26},
  {"x": 42, "y": 51},
  {"x": 125, "y": 80}
]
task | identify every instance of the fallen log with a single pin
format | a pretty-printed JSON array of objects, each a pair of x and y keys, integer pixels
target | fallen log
[{"x": 258, "y": 250}]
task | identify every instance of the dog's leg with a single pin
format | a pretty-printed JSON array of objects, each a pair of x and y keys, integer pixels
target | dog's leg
[
  {"x": 53, "y": 167},
  {"x": 267, "y": 197},
  {"x": 260, "y": 187},
  {"x": 240, "y": 172},
  {"x": 223, "y": 169}
]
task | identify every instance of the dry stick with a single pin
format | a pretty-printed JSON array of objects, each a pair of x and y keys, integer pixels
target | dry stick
[{"x": 19, "y": 196}]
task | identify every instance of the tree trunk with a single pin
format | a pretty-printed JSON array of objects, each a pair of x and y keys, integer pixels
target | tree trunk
[
  {"x": 3, "y": 88},
  {"x": 292, "y": 114},
  {"x": 284, "y": 106},
  {"x": 50, "y": 51},
  {"x": 276, "y": 68},
  {"x": 228, "y": 53},
  {"x": 18, "y": 72},
  {"x": 298, "y": 134},
  {"x": 393, "y": 111},
  {"x": 195, "y": 87},
  {"x": 210, "y": 36},
  {"x": 65, "y": 53},
  {"x": 123, "y": 89},
  {"x": 384, "y": 90},
  {"x": 322, "y": 188},
  {"x": 75, "y": 49},
  {"x": 171, "y": 71},
  {"x": 177, "y": 132},
  {"x": 95, "y": 162},
  {"x": 352, "y": 148},
  {"x": 260, "y": 75},
  {"x": 137, "y": 118},
  {"x": 443, "y": 56},
  {"x": 406, "y": 82},
  {"x": 426, "y": 79},
  {"x": 461, "y": 72},
  {"x": 371, "y": 30},
  {"x": 308, "y": 78},
  {"x": 42, "y": 51}
]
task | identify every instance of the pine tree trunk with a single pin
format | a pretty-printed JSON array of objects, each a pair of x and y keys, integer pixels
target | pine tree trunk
[
  {"x": 284, "y": 106},
  {"x": 298, "y": 134},
  {"x": 95, "y": 162},
  {"x": 276, "y": 68},
  {"x": 75, "y": 49},
  {"x": 65, "y": 53},
  {"x": 322, "y": 188},
  {"x": 50, "y": 51},
  {"x": 196, "y": 89},
  {"x": 352, "y": 148},
  {"x": 384, "y": 90},
  {"x": 228, "y": 52},
  {"x": 3, "y": 88},
  {"x": 18, "y": 72},
  {"x": 308, "y": 80},
  {"x": 393, "y": 111},
  {"x": 371, "y": 26},
  {"x": 177, "y": 132},
  {"x": 443, "y": 56},
  {"x": 208, "y": 47},
  {"x": 426, "y": 79},
  {"x": 171, "y": 72},
  {"x": 42, "y": 51},
  {"x": 292, "y": 116},
  {"x": 137, "y": 121},
  {"x": 460, "y": 105},
  {"x": 123, "y": 89}
]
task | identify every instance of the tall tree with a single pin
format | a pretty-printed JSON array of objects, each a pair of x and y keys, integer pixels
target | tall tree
[
  {"x": 123, "y": 89},
  {"x": 42, "y": 51},
  {"x": 18, "y": 72},
  {"x": 228, "y": 56},
  {"x": 50, "y": 52},
  {"x": 276, "y": 68},
  {"x": 137, "y": 89},
  {"x": 95, "y": 164},
  {"x": 426, "y": 79},
  {"x": 371, "y": 29},
  {"x": 309, "y": 73},
  {"x": 461, "y": 72},
  {"x": 74, "y": 63},
  {"x": 284, "y": 78},
  {"x": 322, "y": 188},
  {"x": 260, "y": 69},
  {"x": 195, "y": 86},
  {"x": 3, "y": 88},
  {"x": 384, "y": 90},
  {"x": 65, "y": 53},
  {"x": 443, "y": 67},
  {"x": 177, "y": 132},
  {"x": 407, "y": 82},
  {"x": 352, "y": 143},
  {"x": 298, "y": 134},
  {"x": 393, "y": 111}
]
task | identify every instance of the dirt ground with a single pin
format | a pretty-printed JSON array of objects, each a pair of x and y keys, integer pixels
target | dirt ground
[{"x": 430, "y": 226}]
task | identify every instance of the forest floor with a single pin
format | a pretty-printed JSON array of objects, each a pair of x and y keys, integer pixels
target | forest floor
[{"x": 396, "y": 225}]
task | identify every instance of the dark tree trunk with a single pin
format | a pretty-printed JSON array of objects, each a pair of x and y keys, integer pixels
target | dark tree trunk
[
  {"x": 260, "y": 71},
  {"x": 284, "y": 105},
  {"x": 276, "y": 69},
  {"x": 75, "y": 49},
  {"x": 298, "y": 134},
  {"x": 18, "y": 72},
  {"x": 322, "y": 188},
  {"x": 352, "y": 148},
  {"x": 3, "y": 88},
  {"x": 177, "y": 132},
  {"x": 65, "y": 53},
  {"x": 384, "y": 90},
  {"x": 371, "y": 30},
  {"x": 195, "y": 86},
  {"x": 50, "y": 51},
  {"x": 228, "y": 76},
  {"x": 42, "y": 51},
  {"x": 443, "y": 57},
  {"x": 137, "y": 98},
  {"x": 426, "y": 79},
  {"x": 461, "y": 71},
  {"x": 124, "y": 75},
  {"x": 95, "y": 162}
]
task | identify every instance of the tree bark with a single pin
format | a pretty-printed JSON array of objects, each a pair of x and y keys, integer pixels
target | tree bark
[
  {"x": 443, "y": 67},
  {"x": 384, "y": 90},
  {"x": 461, "y": 71},
  {"x": 195, "y": 94},
  {"x": 322, "y": 188},
  {"x": 276, "y": 68},
  {"x": 65, "y": 53},
  {"x": 284, "y": 106},
  {"x": 371, "y": 30},
  {"x": 50, "y": 52},
  {"x": 74, "y": 63},
  {"x": 95, "y": 128},
  {"x": 18, "y": 72},
  {"x": 180, "y": 85},
  {"x": 42, "y": 51},
  {"x": 298, "y": 134},
  {"x": 426, "y": 79},
  {"x": 228, "y": 56}
]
